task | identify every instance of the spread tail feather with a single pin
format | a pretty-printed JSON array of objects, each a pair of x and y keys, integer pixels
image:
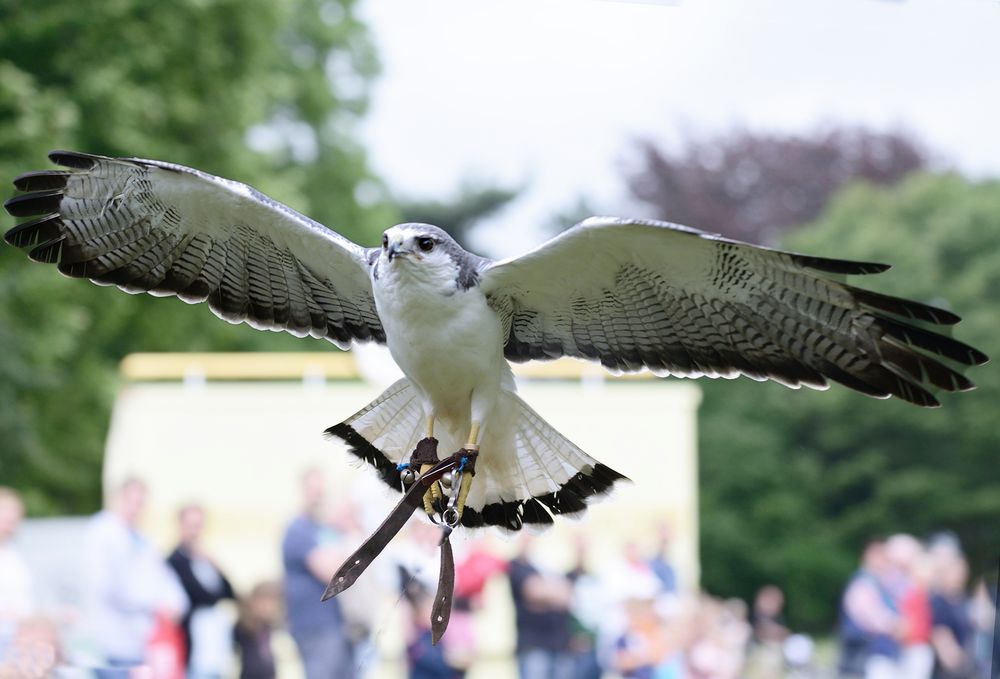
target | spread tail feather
[{"x": 526, "y": 471}]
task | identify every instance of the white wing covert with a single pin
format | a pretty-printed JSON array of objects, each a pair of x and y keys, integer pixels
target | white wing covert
[
  {"x": 646, "y": 294},
  {"x": 165, "y": 229}
]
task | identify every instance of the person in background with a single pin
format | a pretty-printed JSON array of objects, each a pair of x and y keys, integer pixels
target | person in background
[
  {"x": 644, "y": 649},
  {"x": 342, "y": 532},
  {"x": 870, "y": 623},
  {"x": 661, "y": 564},
  {"x": 722, "y": 635},
  {"x": 206, "y": 629},
  {"x": 131, "y": 596},
  {"x": 34, "y": 651},
  {"x": 473, "y": 571},
  {"x": 769, "y": 632},
  {"x": 588, "y": 613},
  {"x": 992, "y": 655},
  {"x": 424, "y": 659},
  {"x": 986, "y": 641},
  {"x": 951, "y": 631},
  {"x": 311, "y": 553},
  {"x": 542, "y": 617},
  {"x": 417, "y": 566},
  {"x": 911, "y": 579},
  {"x": 16, "y": 587},
  {"x": 260, "y": 614},
  {"x": 768, "y": 617}
]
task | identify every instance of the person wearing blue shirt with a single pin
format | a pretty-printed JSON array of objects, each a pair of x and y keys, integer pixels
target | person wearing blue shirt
[
  {"x": 310, "y": 557},
  {"x": 952, "y": 630}
]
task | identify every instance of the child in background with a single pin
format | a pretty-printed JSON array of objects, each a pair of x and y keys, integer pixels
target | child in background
[{"x": 260, "y": 613}]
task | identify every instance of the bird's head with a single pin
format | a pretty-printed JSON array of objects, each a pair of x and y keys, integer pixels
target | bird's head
[{"x": 426, "y": 252}]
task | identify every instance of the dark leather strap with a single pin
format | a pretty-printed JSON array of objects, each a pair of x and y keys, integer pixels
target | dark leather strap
[
  {"x": 470, "y": 460},
  {"x": 441, "y": 611},
  {"x": 426, "y": 452},
  {"x": 362, "y": 558}
]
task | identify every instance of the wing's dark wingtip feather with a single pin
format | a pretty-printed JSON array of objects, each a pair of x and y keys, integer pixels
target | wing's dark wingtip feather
[
  {"x": 977, "y": 356},
  {"x": 74, "y": 159},
  {"x": 35, "y": 203},
  {"x": 906, "y": 308},
  {"x": 47, "y": 252},
  {"x": 842, "y": 266},
  {"x": 29, "y": 234},
  {"x": 41, "y": 180},
  {"x": 932, "y": 341}
]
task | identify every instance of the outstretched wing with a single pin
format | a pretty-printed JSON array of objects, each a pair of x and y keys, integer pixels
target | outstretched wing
[
  {"x": 165, "y": 229},
  {"x": 634, "y": 294}
]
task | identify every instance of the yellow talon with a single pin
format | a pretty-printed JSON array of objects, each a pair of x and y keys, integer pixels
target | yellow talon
[
  {"x": 463, "y": 494},
  {"x": 428, "y": 496}
]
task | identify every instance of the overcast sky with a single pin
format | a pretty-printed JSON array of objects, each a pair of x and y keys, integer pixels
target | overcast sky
[{"x": 549, "y": 93}]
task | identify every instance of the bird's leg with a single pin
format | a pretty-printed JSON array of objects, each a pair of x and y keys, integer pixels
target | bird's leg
[
  {"x": 462, "y": 477},
  {"x": 435, "y": 491},
  {"x": 473, "y": 442}
]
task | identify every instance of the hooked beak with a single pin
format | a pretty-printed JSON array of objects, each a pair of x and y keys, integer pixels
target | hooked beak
[{"x": 395, "y": 249}]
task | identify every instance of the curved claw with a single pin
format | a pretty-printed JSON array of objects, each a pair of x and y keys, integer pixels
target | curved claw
[{"x": 428, "y": 493}]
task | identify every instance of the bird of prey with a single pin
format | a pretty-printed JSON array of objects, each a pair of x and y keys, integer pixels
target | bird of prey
[{"x": 630, "y": 294}]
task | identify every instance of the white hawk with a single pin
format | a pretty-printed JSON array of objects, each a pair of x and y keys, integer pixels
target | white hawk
[{"x": 631, "y": 294}]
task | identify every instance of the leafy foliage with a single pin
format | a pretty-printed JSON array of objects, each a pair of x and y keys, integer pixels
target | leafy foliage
[
  {"x": 792, "y": 483},
  {"x": 754, "y": 187},
  {"x": 191, "y": 82}
]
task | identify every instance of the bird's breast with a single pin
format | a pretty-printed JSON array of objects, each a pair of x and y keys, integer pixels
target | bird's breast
[{"x": 447, "y": 344}]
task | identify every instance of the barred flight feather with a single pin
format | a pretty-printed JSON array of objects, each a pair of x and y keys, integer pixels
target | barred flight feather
[
  {"x": 673, "y": 299},
  {"x": 164, "y": 229}
]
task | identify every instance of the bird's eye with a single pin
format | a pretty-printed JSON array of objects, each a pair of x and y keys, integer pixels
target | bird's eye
[
  {"x": 426, "y": 244},
  {"x": 385, "y": 240}
]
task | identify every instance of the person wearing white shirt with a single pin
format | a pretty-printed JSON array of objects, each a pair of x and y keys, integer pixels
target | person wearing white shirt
[
  {"x": 16, "y": 587},
  {"x": 127, "y": 583}
]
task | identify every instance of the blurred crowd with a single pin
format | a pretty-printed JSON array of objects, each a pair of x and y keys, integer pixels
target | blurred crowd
[
  {"x": 142, "y": 613},
  {"x": 907, "y": 612}
]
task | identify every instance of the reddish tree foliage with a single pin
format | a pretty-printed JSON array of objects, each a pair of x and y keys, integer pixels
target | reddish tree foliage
[{"x": 753, "y": 186}]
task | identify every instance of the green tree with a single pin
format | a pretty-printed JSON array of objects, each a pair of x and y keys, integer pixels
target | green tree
[
  {"x": 792, "y": 483},
  {"x": 263, "y": 91}
]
